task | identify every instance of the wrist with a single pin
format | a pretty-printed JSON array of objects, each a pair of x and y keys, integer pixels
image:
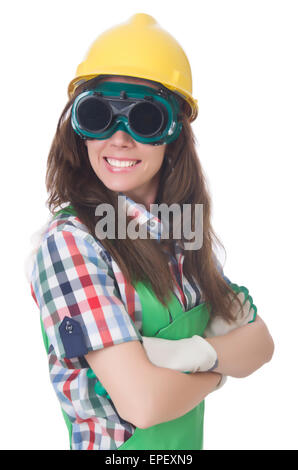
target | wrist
[
  {"x": 213, "y": 378},
  {"x": 213, "y": 344},
  {"x": 209, "y": 359}
]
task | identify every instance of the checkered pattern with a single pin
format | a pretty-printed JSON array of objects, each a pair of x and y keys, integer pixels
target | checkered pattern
[{"x": 74, "y": 276}]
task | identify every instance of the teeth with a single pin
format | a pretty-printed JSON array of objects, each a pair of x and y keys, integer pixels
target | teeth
[{"x": 120, "y": 163}]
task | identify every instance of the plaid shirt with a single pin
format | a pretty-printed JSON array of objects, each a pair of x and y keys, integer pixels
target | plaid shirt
[{"x": 75, "y": 278}]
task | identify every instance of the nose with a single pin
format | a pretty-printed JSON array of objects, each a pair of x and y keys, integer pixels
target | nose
[{"x": 121, "y": 139}]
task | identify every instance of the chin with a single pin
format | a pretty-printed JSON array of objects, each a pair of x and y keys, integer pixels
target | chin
[{"x": 118, "y": 187}]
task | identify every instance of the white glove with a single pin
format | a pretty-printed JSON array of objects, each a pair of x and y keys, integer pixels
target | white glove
[
  {"x": 185, "y": 355},
  {"x": 218, "y": 326}
]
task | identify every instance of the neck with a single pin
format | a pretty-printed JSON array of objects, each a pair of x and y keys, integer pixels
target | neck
[{"x": 146, "y": 194}]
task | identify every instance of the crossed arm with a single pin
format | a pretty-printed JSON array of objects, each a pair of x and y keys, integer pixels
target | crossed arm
[
  {"x": 230, "y": 350},
  {"x": 237, "y": 349},
  {"x": 169, "y": 394},
  {"x": 243, "y": 350},
  {"x": 240, "y": 348}
]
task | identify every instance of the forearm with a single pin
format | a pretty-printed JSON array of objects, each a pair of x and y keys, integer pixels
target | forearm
[
  {"x": 244, "y": 350},
  {"x": 173, "y": 394}
]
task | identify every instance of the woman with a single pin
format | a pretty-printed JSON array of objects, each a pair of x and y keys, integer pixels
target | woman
[{"x": 123, "y": 316}]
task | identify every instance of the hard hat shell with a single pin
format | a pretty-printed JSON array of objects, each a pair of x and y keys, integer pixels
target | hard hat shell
[{"x": 139, "y": 48}]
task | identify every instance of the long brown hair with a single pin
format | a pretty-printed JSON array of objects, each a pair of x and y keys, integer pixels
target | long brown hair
[{"x": 70, "y": 178}]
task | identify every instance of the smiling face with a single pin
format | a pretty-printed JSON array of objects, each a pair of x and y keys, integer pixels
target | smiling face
[{"x": 139, "y": 181}]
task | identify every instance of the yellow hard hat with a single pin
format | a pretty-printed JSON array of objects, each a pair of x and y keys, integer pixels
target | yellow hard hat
[{"x": 139, "y": 48}]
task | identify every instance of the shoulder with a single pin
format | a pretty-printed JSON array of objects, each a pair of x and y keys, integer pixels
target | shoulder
[
  {"x": 65, "y": 224},
  {"x": 62, "y": 237}
]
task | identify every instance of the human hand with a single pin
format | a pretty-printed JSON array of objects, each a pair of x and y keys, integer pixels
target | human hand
[
  {"x": 185, "y": 355},
  {"x": 219, "y": 326}
]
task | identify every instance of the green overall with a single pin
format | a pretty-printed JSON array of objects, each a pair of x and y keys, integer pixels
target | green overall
[{"x": 186, "y": 432}]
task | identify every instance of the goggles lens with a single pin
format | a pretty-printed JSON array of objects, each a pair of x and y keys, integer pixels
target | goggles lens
[
  {"x": 148, "y": 115},
  {"x": 94, "y": 114},
  {"x": 146, "y": 119}
]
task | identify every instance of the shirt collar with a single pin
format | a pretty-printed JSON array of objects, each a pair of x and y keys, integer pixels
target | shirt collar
[
  {"x": 140, "y": 213},
  {"x": 154, "y": 224}
]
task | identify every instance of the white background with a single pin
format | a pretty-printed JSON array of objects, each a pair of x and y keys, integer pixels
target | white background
[{"x": 244, "y": 63}]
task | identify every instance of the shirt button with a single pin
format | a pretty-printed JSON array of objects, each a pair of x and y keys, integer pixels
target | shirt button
[{"x": 68, "y": 327}]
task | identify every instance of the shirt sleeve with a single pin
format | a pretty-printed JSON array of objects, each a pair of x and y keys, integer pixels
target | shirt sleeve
[{"x": 79, "y": 303}]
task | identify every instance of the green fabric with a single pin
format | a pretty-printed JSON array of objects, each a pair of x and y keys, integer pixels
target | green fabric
[
  {"x": 98, "y": 387},
  {"x": 186, "y": 432},
  {"x": 67, "y": 210},
  {"x": 237, "y": 289}
]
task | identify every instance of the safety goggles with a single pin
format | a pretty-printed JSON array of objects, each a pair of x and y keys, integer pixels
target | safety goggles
[{"x": 150, "y": 116}]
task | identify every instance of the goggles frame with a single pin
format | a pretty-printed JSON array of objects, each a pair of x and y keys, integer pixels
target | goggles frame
[{"x": 121, "y": 99}]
